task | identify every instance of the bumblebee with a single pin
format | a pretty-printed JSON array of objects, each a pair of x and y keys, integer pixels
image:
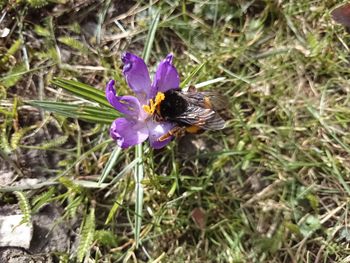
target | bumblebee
[{"x": 192, "y": 111}]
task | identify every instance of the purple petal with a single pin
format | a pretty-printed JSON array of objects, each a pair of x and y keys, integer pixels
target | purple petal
[
  {"x": 136, "y": 75},
  {"x": 166, "y": 77},
  {"x": 156, "y": 130},
  {"x": 128, "y": 132},
  {"x": 128, "y": 105}
]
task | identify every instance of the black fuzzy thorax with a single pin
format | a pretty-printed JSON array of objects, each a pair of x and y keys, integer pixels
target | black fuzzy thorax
[{"x": 173, "y": 105}]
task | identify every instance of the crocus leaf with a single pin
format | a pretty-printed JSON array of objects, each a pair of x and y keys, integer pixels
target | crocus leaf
[
  {"x": 139, "y": 169},
  {"x": 83, "y": 112},
  {"x": 83, "y": 91}
]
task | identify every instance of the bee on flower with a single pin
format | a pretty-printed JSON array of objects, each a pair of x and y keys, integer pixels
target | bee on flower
[{"x": 159, "y": 110}]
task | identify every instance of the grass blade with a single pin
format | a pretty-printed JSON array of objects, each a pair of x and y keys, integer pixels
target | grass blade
[
  {"x": 150, "y": 37},
  {"x": 209, "y": 82},
  {"x": 110, "y": 164},
  {"x": 125, "y": 170},
  {"x": 192, "y": 74}
]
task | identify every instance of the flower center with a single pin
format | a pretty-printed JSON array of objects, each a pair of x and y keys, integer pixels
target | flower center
[{"x": 153, "y": 103}]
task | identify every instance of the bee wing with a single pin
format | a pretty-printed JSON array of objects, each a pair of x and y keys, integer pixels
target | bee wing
[
  {"x": 217, "y": 101},
  {"x": 206, "y": 119}
]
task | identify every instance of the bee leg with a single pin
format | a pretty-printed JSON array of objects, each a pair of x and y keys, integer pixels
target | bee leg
[{"x": 173, "y": 132}]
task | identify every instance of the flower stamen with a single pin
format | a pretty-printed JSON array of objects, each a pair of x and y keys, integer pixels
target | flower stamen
[{"x": 153, "y": 103}]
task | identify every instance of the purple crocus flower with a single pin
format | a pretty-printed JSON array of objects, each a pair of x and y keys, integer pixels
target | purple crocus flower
[{"x": 138, "y": 123}]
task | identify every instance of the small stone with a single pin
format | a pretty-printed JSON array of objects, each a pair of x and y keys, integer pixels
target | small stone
[{"x": 14, "y": 233}]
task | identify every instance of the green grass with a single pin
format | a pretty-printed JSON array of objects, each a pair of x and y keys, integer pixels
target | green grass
[{"x": 271, "y": 187}]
